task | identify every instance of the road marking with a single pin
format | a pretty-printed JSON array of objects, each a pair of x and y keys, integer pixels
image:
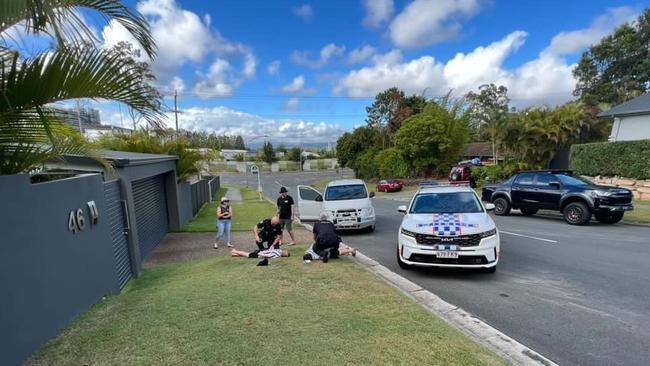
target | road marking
[
  {"x": 278, "y": 183},
  {"x": 528, "y": 236}
]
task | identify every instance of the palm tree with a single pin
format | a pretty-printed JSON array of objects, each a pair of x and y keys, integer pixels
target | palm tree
[{"x": 30, "y": 132}]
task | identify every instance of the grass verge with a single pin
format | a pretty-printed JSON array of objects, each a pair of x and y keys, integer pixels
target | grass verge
[
  {"x": 640, "y": 214},
  {"x": 227, "y": 311},
  {"x": 246, "y": 213}
]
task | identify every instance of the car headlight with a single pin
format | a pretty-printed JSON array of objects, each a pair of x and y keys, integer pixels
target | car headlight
[
  {"x": 407, "y": 232},
  {"x": 488, "y": 233},
  {"x": 599, "y": 192},
  {"x": 367, "y": 212}
]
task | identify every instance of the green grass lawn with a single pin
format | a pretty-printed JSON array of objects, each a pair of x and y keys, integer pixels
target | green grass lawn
[
  {"x": 246, "y": 213},
  {"x": 641, "y": 213},
  {"x": 228, "y": 311}
]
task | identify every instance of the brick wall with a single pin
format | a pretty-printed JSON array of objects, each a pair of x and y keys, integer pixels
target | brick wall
[{"x": 640, "y": 188}]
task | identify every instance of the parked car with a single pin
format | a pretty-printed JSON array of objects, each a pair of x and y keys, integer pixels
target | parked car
[
  {"x": 462, "y": 173},
  {"x": 447, "y": 226},
  {"x": 346, "y": 202},
  {"x": 389, "y": 185},
  {"x": 575, "y": 197}
]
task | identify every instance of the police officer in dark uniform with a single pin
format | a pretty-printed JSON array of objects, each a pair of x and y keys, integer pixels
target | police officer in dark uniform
[{"x": 268, "y": 231}]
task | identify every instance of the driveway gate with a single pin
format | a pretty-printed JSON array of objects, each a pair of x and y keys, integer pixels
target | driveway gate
[
  {"x": 150, "y": 212},
  {"x": 115, "y": 208}
]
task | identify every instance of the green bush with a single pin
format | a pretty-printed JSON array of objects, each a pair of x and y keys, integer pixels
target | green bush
[
  {"x": 391, "y": 164},
  {"x": 366, "y": 166},
  {"x": 629, "y": 159},
  {"x": 492, "y": 173}
]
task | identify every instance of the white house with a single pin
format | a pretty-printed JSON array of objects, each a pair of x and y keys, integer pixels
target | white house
[
  {"x": 231, "y": 154},
  {"x": 631, "y": 119}
]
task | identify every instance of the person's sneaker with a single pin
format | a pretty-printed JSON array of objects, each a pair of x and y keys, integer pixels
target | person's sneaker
[
  {"x": 326, "y": 257},
  {"x": 263, "y": 262},
  {"x": 354, "y": 252},
  {"x": 230, "y": 245},
  {"x": 216, "y": 246}
]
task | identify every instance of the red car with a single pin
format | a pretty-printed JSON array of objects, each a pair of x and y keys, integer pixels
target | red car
[{"x": 389, "y": 185}]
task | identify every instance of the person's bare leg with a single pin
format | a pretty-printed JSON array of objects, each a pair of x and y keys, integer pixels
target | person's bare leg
[
  {"x": 238, "y": 253},
  {"x": 293, "y": 239},
  {"x": 346, "y": 250}
]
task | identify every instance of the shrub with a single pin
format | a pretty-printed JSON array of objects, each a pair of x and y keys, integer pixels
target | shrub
[
  {"x": 365, "y": 165},
  {"x": 622, "y": 158},
  {"x": 391, "y": 164},
  {"x": 493, "y": 173}
]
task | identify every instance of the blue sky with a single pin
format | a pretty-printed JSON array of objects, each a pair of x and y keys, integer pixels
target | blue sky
[{"x": 306, "y": 70}]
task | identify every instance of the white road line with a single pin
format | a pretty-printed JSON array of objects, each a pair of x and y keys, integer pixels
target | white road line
[{"x": 528, "y": 236}]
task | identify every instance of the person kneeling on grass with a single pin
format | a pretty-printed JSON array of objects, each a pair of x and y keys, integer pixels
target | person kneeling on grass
[
  {"x": 267, "y": 254},
  {"x": 327, "y": 244},
  {"x": 268, "y": 231}
]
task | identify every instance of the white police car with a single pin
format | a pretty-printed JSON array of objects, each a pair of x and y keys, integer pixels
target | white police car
[{"x": 447, "y": 226}]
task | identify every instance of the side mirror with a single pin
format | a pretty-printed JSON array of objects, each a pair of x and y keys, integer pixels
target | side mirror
[
  {"x": 489, "y": 206},
  {"x": 401, "y": 209},
  {"x": 372, "y": 194},
  {"x": 555, "y": 185},
  {"x": 319, "y": 198}
]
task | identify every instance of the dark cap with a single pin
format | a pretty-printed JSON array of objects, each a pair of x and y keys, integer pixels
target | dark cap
[{"x": 283, "y": 190}]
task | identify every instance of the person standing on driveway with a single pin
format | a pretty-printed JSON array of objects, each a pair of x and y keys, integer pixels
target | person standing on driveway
[
  {"x": 286, "y": 212},
  {"x": 224, "y": 220}
]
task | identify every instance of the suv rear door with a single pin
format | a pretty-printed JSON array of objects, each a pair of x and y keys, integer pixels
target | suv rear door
[{"x": 522, "y": 191}]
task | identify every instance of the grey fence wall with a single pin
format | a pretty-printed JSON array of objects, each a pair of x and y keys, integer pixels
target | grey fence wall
[
  {"x": 185, "y": 202},
  {"x": 192, "y": 196},
  {"x": 48, "y": 274}
]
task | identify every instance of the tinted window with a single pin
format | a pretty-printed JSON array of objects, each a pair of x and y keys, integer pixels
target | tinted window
[
  {"x": 308, "y": 194},
  {"x": 347, "y": 192},
  {"x": 573, "y": 181},
  {"x": 451, "y": 202},
  {"x": 525, "y": 178},
  {"x": 545, "y": 179}
]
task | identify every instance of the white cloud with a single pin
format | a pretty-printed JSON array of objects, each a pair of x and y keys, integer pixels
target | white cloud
[
  {"x": 361, "y": 54},
  {"x": 222, "y": 120},
  {"x": 292, "y": 104},
  {"x": 326, "y": 54},
  {"x": 177, "y": 84},
  {"x": 566, "y": 43},
  {"x": 388, "y": 58},
  {"x": 216, "y": 82},
  {"x": 378, "y": 12},
  {"x": 425, "y": 22},
  {"x": 183, "y": 37},
  {"x": 273, "y": 68},
  {"x": 304, "y": 11},
  {"x": 297, "y": 86},
  {"x": 545, "y": 80}
]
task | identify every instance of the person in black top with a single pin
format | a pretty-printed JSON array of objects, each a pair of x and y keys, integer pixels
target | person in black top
[
  {"x": 327, "y": 244},
  {"x": 268, "y": 231},
  {"x": 286, "y": 212}
]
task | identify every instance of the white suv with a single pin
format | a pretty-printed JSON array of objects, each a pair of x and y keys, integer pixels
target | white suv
[
  {"x": 346, "y": 202},
  {"x": 447, "y": 226}
]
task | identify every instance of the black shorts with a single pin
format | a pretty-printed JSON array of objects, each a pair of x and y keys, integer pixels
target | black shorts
[{"x": 253, "y": 254}]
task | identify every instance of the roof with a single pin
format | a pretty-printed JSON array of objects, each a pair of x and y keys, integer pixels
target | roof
[
  {"x": 124, "y": 158},
  {"x": 344, "y": 182},
  {"x": 638, "y": 105},
  {"x": 478, "y": 149},
  {"x": 445, "y": 189}
]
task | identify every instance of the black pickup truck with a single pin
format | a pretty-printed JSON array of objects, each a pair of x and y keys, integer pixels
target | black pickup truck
[{"x": 575, "y": 197}]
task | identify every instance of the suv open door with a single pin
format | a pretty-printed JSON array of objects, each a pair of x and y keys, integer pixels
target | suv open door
[{"x": 310, "y": 203}]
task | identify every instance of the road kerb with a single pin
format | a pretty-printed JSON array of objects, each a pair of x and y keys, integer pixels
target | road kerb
[{"x": 476, "y": 329}]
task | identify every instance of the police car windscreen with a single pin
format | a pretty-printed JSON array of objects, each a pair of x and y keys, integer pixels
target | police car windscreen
[
  {"x": 448, "y": 202},
  {"x": 346, "y": 192}
]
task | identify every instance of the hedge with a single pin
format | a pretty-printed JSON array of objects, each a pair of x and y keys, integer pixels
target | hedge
[{"x": 630, "y": 159}]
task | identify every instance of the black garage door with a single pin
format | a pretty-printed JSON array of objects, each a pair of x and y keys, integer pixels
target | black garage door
[
  {"x": 117, "y": 223},
  {"x": 150, "y": 212}
]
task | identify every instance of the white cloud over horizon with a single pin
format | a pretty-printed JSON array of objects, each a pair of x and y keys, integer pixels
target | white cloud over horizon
[{"x": 378, "y": 12}]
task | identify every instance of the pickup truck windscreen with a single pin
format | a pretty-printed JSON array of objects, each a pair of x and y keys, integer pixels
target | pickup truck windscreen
[
  {"x": 346, "y": 192},
  {"x": 448, "y": 202},
  {"x": 573, "y": 181}
]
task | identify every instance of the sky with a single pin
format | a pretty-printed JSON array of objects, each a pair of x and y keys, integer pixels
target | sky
[{"x": 304, "y": 71}]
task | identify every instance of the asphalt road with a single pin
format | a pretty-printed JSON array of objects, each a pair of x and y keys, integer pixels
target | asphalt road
[{"x": 577, "y": 295}]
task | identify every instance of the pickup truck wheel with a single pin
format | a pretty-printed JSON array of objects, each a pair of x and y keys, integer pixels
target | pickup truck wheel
[
  {"x": 577, "y": 213},
  {"x": 528, "y": 211},
  {"x": 610, "y": 217},
  {"x": 501, "y": 206},
  {"x": 401, "y": 264}
]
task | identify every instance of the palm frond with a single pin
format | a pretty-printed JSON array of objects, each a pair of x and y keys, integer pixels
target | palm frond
[
  {"x": 70, "y": 74},
  {"x": 60, "y": 19}
]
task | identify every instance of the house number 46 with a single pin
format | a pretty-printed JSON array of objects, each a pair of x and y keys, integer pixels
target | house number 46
[{"x": 77, "y": 220}]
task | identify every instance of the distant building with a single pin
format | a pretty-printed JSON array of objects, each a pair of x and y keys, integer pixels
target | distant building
[
  {"x": 231, "y": 154},
  {"x": 309, "y": 155},
  {"x": 631, "y": 119},
  {"x": 86, "y": 117},
  {"x": 93, "y": 132}
]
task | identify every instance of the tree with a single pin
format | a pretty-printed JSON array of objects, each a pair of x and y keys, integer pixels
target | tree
[
  {"x": 239, "y": 143},
  {"x": 617, "y": 68},
  {"x": 389, "y": 109},
  {"x": 489, "y": 113},
  {"x": 30, "y": 132},
  {"x": 433, "y": 140},
  {"x": 268, "y": 154},
  {"x": 352, "y": 145},
  {"x": 294, "y": 154},
  {"x": 391, "y": 164}
]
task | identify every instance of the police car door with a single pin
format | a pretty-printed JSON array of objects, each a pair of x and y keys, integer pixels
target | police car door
[{"x": 310, "y": 203}]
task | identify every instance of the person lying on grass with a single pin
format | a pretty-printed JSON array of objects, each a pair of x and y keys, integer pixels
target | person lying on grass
[
  {"x": 273, "y": 252},
  {"x": 268, "y": 231},
  {"x": 326, "y": 242}
]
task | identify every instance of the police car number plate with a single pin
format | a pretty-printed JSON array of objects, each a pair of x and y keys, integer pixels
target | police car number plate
[{"x": 446, "y": 251}]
